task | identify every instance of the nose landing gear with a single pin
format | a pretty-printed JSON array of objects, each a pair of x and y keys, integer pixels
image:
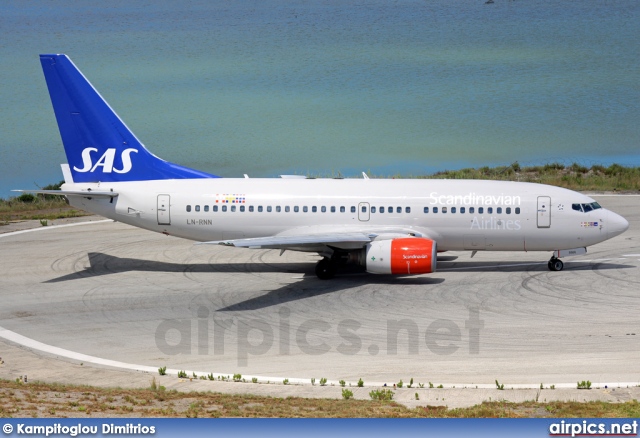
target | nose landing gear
[{"x": 555, "y": 264}]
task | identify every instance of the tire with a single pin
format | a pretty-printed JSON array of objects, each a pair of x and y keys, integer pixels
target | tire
[
  {"x": 555, "y": 265},
  {"x": 325, "y": 269}
]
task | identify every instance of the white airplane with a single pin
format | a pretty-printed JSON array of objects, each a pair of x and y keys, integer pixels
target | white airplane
[{"x": 389, "y": 226}]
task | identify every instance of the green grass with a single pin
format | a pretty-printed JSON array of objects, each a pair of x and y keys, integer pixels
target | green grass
[
  {"x": 574, "y": 176},
  {"x": 59, "y": 400}
]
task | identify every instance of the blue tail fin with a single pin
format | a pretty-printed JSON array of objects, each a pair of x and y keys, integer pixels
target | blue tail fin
[{"x": 99, "y": 146}]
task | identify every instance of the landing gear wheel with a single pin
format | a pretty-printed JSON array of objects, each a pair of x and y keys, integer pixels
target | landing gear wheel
[
  {"x": 555, "y": 264},
  {"x": 325, "y": 269}
]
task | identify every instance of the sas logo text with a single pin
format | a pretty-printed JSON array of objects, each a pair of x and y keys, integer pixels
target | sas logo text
[{"x": 106, "y": 161}]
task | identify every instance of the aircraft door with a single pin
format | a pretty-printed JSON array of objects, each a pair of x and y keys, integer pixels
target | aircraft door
[
  {"x": 544, "y": 211},
  {"x": 164, "y": 210},
  {"x": 363, "y": 211}
]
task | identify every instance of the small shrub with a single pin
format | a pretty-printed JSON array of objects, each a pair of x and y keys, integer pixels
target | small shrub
[
  {"x": 499, "y": 386},
  {"x": 154, "y": 384},
  {"x": 421, "y": 385},
  {"x": 194, "y": 375},
  {"x": 323, "y": 381},
  {"x": 210, "y": 376},
  {"x": 417, "y": 396},
  {"x": 162, "y": 371},
  {"x": 410, "y": 383},
  {"x": 400, "y": 384},
  {"x": 342, "y": 383},
  {"x": 313, "y": 381},
  {"x": 347, "y": 394},
  {"x": 381, "y": 394},
  {"x": 584, "y": 384},
  {"x": 254, "y": 380},
  {"x": 552, "y": 387},
  {"x": 237, "y": 377},
  {"x": 182, "y": 374},
  {"x": 541, "y": 386},
  {"x": 44, "y": 222},
  {"x": 440, "y": 386},
  {"x": 360, "y": 383},
  {"x": 285, "y": 382},
  {"x": 27, "y": 198},
  {"x": 430, "y": 385}
]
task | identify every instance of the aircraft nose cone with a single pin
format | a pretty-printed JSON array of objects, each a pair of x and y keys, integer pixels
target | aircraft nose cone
[{"x": 617, "y": 224}]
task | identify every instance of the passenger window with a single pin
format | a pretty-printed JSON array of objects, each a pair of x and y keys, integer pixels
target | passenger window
[
  {"x": 287, "y": 209},
  {"x": 381, "y": 209},
  {"x": 323, "y": 209},
  {"x": 296, "y": 209},
  {"x": 305, "y": 209},
  {"x": 426, "y": 209},
  {"x": 278, "y": 209},
  {"x": 215, "y": 208},
  {"x": 480, "y": 210},
  {"x": 259, "y": 208},
  {"x": 188, "y": 208},
  {"x": 206, "y": 208},
  {"x": 407, "y": 209},
  {"x": 233, "y": 208},
  {"x": 390, "y": 209},
  {"x": 517, "y": 210},
  {"x": 197, "y": 208},
  {"x": 489, "y": 210},
  {"x": 499, "y": 210},
  {"x": 461, "y": 209},
  {"x": 453, "y": 209},
  {"x": 508, "y": 210},
  {"x": 472, "y": 210},
  {"x": 268, "y": 209},
  {"x": 353, "y": 209},
  {"x": 251, "y": 209},
  {"x": 373, "y": 209},
  {"x": 435, "y": 209},
  {"x": 333, "y": 209},
  {"x": 314, "y": 209},
  {"x": 444, "y": 209},
  {"x": 242, "y": 208},
  {"x": 342, "y": 209},
  {"x": 398, "y": 209},
  {"x": 224, "y": 208},
  {"x": 364, "y": 208}
]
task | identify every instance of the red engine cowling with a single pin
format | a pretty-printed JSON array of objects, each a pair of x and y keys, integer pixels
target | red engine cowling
[{"x": 411, "y": 255}]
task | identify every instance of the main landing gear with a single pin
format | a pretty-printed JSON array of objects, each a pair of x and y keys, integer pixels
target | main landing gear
[
  {"x": 555, "y": 264},
  {"x": 326, "y": 269}
]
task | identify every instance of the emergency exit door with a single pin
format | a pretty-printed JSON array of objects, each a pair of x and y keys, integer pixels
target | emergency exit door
[{"x": 164, "y": 210}]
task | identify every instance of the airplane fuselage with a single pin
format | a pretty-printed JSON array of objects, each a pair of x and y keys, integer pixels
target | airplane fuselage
[{"x": 458, "y": 214}]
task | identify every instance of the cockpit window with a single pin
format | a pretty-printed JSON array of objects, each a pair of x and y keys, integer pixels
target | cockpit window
[{"x": 586, "y": 207}]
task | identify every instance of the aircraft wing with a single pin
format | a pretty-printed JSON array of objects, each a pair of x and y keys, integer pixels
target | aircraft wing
[
  {"x": 309, "y": 241},
  {"x": 84, "y": 193},
  {"x": 339, "y": 240}
]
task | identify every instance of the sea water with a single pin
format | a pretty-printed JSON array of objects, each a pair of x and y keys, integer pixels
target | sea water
[{"x": 332, "y": 87}]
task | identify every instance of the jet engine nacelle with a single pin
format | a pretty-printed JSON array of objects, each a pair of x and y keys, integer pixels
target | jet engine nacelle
[{"x": 412, "y": 255}]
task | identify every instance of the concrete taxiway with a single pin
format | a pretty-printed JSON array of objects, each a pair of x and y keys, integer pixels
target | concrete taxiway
[{"x": 110, "y": 296}]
